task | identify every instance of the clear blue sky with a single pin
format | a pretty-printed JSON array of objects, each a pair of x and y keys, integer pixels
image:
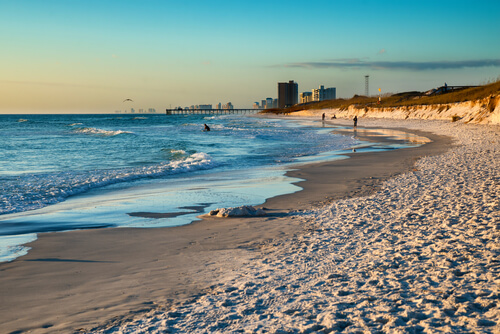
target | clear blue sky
[{"x": 88, "y": 56}]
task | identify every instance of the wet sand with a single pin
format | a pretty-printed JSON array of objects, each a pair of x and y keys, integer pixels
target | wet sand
[{"x": 81, "y": 279}]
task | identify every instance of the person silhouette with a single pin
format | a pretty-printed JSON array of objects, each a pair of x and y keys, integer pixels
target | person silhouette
[{"x": 207, "y": 128}]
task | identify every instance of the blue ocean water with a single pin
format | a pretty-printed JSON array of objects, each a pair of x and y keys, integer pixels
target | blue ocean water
[{"x": 64, "y": 172}]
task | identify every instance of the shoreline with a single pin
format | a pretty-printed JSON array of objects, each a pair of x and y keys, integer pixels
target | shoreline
[
  {"x": 82, "y": 279},
  {"x": 351, "y": 178}
]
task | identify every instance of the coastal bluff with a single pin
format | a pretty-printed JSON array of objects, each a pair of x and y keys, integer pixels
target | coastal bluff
[{"x": 482, "y": 111}]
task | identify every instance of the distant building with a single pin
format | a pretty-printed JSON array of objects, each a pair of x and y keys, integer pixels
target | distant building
[
  {"x": 288, "y": 94},
  {"x": 306, "y": 97},
  {"x": 228, "y": 106},
  {"x": 218, "y": 106},
  {"x": 256, "y": 105},
  {"x": 322, "y": 94},
  {"x": 269, "y": 103},
  {"x": 330, "y": 93},
  {"x": 204, "y": 106}
]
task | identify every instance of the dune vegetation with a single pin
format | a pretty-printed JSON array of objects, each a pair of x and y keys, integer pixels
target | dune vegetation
[{"x": 401, "y": 99}]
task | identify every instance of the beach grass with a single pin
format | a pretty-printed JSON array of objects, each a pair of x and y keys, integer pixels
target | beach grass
[{"x": 406, "y": 99}]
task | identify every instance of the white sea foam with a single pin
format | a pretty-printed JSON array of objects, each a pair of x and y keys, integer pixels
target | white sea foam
[
  {"x": 101, "y": 132},
  {"x": 173, "y": 151},
  {"x": 11, "y": 246},
  {"x": 420, "y": 255},
  {"x": 39, "y": 190}
]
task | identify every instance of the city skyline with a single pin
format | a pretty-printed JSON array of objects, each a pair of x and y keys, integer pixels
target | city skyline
[{"x": 88, "y": 56}]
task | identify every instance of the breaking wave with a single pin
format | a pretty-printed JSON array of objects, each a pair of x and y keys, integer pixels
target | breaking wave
[
  {"x": 39, "y": 190},
  {"x": 100, "y": 132}
]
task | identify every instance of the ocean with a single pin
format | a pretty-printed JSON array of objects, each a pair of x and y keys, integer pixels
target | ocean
[{"x": 67, "y": 172}]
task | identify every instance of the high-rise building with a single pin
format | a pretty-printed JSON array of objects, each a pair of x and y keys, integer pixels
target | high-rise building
[
  {"x": 288, "y": 94},
  {"x": 306, "y": 97},
  {"x": 322, "y": 94},
  {"x": 269, "y": 103}
]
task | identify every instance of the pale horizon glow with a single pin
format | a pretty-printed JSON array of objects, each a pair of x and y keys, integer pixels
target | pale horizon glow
[{"x": 89, "y": 56}]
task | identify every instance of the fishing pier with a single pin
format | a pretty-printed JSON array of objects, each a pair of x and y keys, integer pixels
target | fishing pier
[{"x": 180, "y": 111}]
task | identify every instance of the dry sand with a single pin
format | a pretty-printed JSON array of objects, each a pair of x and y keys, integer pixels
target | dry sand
[
  {"x": 362, "y": 264},
  {"x": 420, "y": 255}
]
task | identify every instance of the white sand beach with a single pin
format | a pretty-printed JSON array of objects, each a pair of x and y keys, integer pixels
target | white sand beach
[
  {"x": 420, "y": 255},
  {"x": 398, "y": 241}
]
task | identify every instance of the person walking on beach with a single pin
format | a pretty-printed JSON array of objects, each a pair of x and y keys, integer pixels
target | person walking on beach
[
  {"x": 323, "y": 117},
  {"x": 206, "y": 128},
  {"x": 355, "y": 119}
]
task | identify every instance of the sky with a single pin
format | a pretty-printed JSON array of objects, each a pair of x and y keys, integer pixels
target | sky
[{"x": 88, "y": 56}]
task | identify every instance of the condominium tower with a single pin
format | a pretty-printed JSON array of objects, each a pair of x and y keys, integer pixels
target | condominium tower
[
  {"x": 322, "y": 94},
  {"x": 288, "y": 94}
]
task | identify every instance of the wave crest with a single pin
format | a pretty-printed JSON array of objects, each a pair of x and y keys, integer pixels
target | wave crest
[
  {"x": 101, "y": 132},
  {"x": 40, "y": 190}
]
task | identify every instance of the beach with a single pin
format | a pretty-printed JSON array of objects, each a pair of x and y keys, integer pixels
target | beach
[{"x": 402, "y": 240}]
